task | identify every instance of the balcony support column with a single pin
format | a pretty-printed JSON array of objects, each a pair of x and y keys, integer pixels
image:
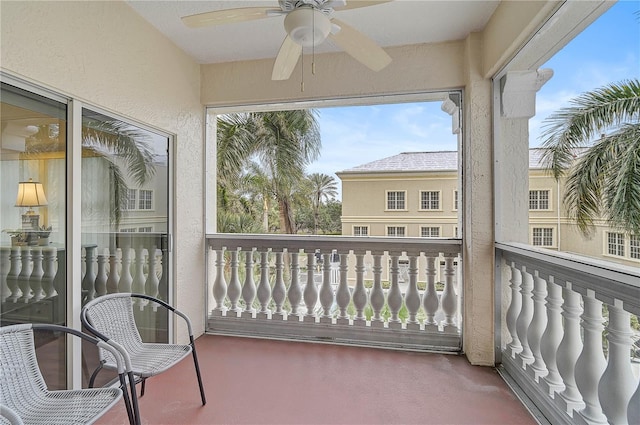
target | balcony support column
[
  {"x": 295, "y": 293},
  {"x": 264, "y": 288},
  {"x": 234, "y": 289},
  {"x": 310, "y": 293},
  {"x": 343, "y": 296},
  {"x": 219, "y": 285},
  {"x": 430, "y": 298},
  {"x": 279, "y": 288},
  {"x": 377, "y": 294},
  {"x": 249, "y": 287}
]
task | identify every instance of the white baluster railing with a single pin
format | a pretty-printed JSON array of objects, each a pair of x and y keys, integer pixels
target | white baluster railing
[
  {"x": 555, "y": 350},
  {"x": 407, "y": 302}
]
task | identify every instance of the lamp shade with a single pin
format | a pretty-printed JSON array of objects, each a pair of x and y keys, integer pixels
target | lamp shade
[{"x": 31, "y": 194}]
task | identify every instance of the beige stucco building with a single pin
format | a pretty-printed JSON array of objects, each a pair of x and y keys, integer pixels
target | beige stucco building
[{"x": 415, "y": 194}]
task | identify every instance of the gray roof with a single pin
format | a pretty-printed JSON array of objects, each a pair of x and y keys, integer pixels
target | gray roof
[{"x": 428, "y": 161}]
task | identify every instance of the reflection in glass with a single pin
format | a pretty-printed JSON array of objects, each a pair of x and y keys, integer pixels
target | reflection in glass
[
  {"x": 32, "y": 219},
  {"x": 124, "y": 221}
]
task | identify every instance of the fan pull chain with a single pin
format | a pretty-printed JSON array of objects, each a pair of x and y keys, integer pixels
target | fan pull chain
[
  {"x": 313, "y": 45},
  {"x": 302, "y": 69}
]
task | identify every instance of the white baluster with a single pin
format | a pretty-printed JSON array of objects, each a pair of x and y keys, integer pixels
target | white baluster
[
  {"x": 412, "y": 297},
  {"x": 377, "y": 294},
  {"x": 50, "y": 257},
  {"x": 234, "y": 289},
  {"x": 359, "y": 293},
  {"x": 633, "y": 411},
  {"x": 449, "y": 297},
  {"x": 89, "y": 279},
  {"x": 101, "y": 276},
  {"x": 537, "y": 326},
  {"x": 25, "y": 275},
  {"x": 569, "y": 350},
  {"x": 219, "y": 284},
  {"x": 617, "y": 383},
  {"x": 394, "y": 297},
  {"x": 152, "y": 283},
  {"x": 125, "y": 275},
  {"x": 14, "y": 272},
  {"x": 264, "y": 288},
  {"x": 552, "y": 336},
  {"x": 343, "y": 296},
  {"x": 591, "y": 363},
  {"x": 326, "y": 291},
  {"x": 279, "y": 289},
  {"x": 249, "y": 287},
  {"x": 525, "y": 316},
  {"x": 514, "y": 310},
  {"x": 113, "y": 280},
  {"x": 137, "y": 285},
  {"x": 295, "y": 292},
  {"x": 5, "y": 291},
  {"x": 310, "y": 293},
  {"x": 430, "y": 298},
  {"x": 36, "y": 275},
  {"x": 163, "y": 282}
]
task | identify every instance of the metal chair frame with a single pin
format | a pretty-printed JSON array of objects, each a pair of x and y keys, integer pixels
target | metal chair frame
[
  {"x": 110, "y": 318},
  {"x": 24, "y": 396}
]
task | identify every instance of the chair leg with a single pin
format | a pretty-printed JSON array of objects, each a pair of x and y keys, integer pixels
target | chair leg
[
  {"x": 144, "y": 385},
  {"x": 127, "y": 400},
  {"x": 195, "y": 362},
  {"x": 94, "y": 375},
  {"x": 134, "y": 398}
]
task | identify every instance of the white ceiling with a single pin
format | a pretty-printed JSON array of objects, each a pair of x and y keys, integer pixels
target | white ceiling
[{"x": 396, "y": 23}]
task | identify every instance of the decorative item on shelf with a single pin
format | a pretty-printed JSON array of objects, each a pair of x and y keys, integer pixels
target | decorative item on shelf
[
  {"x": 43, "y": 235},
  {"x": 31, "y": 194}
]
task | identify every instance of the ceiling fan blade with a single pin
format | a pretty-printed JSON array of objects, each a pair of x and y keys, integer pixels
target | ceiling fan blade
[
  {"x": 286, "y": 60},
  {"x": 361, "y": 47},
  {"x": 355, "y": 4},
  {"x": 226, "y": 16}
]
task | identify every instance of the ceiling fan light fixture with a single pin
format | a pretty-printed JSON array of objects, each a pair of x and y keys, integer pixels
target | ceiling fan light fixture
[{"x": 307, "y": 26}]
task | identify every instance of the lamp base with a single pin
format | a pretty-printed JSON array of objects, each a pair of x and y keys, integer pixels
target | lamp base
[{"x": 30, "y": 221}]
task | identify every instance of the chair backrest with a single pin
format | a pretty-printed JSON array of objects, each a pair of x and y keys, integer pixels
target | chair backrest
[
  {"x": 112, "y": 316},
  {"x": 20, "y": 377}
]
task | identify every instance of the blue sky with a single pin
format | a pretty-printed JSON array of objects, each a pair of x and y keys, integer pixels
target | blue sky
[{"x": 608, "y": 51}]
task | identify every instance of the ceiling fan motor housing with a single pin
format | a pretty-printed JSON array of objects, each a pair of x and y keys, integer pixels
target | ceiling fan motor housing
[{"x": 307, "y": 26}]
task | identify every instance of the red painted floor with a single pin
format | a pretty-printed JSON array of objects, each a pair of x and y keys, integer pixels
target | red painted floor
[{"x": 251, "y": 381}]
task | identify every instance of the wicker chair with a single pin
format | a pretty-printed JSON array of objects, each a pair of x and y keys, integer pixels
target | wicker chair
[
  {"x": 110, "y": 317},
  {"x": 24, "y": 396}
]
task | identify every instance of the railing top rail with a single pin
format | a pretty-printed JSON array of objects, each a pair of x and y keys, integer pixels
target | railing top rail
[
  {"x": 233, "y": 241},
  {"x": 610, "y": 281}
]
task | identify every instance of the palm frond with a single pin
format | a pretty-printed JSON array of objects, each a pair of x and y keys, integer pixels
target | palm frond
[{"x": 589, "y": 116}]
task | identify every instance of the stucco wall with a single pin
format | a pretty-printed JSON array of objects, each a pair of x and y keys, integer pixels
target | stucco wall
[
  {"x": 105, "y": 54},
  {"x": 414, "y": 69}
]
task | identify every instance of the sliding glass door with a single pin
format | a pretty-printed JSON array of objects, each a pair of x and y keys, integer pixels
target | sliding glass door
[
  {"x": 33, "y": 145},
  {"x": 125, "y": 226}
]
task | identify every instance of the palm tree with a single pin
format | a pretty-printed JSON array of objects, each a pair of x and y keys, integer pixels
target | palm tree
[
  {"x": 283, "y": 142},
  {"x": 323, "y": 188},
  {"x": 603, "y": 180}
]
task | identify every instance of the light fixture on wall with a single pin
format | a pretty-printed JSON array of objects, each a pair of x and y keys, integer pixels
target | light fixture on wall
[{"x": 30, "y": 195}]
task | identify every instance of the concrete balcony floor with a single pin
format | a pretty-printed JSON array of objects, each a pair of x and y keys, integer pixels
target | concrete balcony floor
[{"x": 252, "y": 381}]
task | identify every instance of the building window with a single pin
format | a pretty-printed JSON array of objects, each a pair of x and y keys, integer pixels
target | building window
[
  {"x": 395, "y": 231},
  {"x": 455, "y": 232},
  {"x": 455, "y": 200},
  {"x": 430, "y": 232},
  {"x": 360, "y": 231},
  {"x": 130, "y": 203},
  {"x": 615, "y": 244},
  {"x": 144, "y": 229},
  {"x": 128, "y": 230},
  {"x": 538, "y": 199},
  {"x": 634, "y": 247},
  {"x": 543, "y": 236},
  {"x": 429, "y": 200},
  {"x": 145, "y": 199},
  {"x": 396, "y": 200}
]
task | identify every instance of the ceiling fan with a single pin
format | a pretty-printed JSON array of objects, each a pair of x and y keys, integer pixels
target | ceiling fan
[{"x": 308, "y": 23}]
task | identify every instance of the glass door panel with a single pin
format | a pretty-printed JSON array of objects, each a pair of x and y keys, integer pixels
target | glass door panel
[
  {"x": 33, "y": 221},
  {"x": 125, "y": 226}
]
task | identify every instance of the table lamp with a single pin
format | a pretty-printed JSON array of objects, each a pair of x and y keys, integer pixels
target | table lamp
[{"x": 30, "y": 194}]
